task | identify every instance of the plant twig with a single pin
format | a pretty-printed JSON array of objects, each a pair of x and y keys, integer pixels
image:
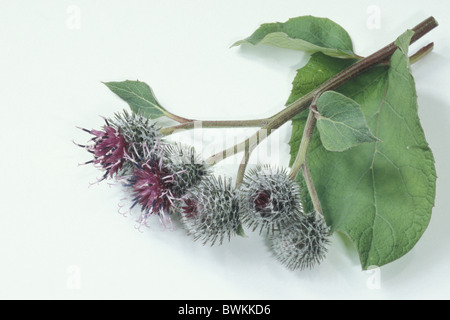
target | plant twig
[
  {"x": 243, "y": 165},
  {"x": 311, "y": 189},
  {"x": 301, "y": 163},
  {"x": 336, "y": 81},
  {"x": 304, "y": 145},
  {"x": 186, "y": 124},
  {"x": 191, "y": 124},
  {"x": 250, "y": 145},
  {"x": 421, "y": 53}
]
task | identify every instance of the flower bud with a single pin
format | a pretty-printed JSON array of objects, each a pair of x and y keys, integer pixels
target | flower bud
[
  {"x": 139, "y": 131},
  {"x": 186, "y": 165},
  {"x": 303, "y": 244},
  {"x": 270, "y": 200},
  {"x": 211, "y": 211}
]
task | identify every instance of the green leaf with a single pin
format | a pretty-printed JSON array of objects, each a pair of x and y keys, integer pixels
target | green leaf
[
  {"x": 240, "y": 231},
  {"x": 319, "y": 69},
  {"x": 139, "y": 96},
  {"x": 341, "y": 123},
  {"x": 310, "y": 34},
  {"x": 380, "y": 195}
]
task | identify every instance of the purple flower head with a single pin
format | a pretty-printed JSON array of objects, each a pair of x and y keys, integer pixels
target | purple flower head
[
  {"x": 262, "y": 202},
  {"x": 141, "y": 133},
  {"x": 151, "y": 184},
  {"x": 190, "y": 208},
  {"x": 109, "y": 147},
  {"x": 124, "y": 140}
]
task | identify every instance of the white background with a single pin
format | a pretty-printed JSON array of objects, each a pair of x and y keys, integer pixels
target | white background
[{"x": 61, "y": 239}]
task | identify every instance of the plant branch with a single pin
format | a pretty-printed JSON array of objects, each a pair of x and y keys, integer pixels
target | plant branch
[
  {"x": 186, "y": 124},
  {"x": 352, "y": 71},
  {"x": 304, "y": 144},
  {"x": 191, "y": 124},
  {"x": 421, "y": 53},
  {"x": 378, "y": 57},
  {"x": 336, "y": 81},
  {"x": 301, "y": 163},
  {"x": 176, "y": 117},
  {"x": 311, "y": 189},
  {"x": 247, "y": 145},
  {"x": 250, "y": 145},
  {"x": 243, "y": 165}
]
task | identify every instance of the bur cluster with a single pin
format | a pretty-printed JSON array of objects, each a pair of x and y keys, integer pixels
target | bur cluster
[
  {"x": 271, "y": 201},
  {"x": 170, "y": 180},
  {"x": 157, "y": 173}
]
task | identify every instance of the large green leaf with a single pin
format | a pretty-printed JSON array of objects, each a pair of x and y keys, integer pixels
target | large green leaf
[
  {"x": 380, "y": 195},
  {"x": 139, "y": 96},
  {"x": 310, "y": 34},
  {"x": 341, "y": 123},
  {"x": 319, "y": 69}
]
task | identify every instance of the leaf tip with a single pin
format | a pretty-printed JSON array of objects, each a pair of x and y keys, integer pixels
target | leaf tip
[
  {"x": 240, "y": 231},
  {"x": 237, "y": 43}
]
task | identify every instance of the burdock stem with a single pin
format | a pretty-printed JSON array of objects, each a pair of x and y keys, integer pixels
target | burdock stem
[{"x": 301, "y": 104}]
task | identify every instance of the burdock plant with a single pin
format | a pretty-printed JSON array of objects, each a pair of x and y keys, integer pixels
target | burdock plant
[{"x": 357, "y": 147}]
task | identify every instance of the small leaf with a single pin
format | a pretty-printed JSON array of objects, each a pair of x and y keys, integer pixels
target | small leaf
[
  {"x": 341, "y": 123},
  {"x": 307, "y": 33},
  {"x": 240, "y": 231},
  {"x": 139, "y": 96}
]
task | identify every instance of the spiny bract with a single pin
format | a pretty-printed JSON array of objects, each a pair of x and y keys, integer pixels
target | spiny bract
[
  {"x": 139, "y": 131},
  {"x": 303, "y": 244},
  {"x": 186, "y": 165},
  {"x": 211, "y": 211},
  {"x": 270, "y": 200}
]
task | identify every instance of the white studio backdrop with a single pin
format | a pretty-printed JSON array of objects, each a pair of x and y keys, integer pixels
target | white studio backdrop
[{"x": 61, "y": 238}]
